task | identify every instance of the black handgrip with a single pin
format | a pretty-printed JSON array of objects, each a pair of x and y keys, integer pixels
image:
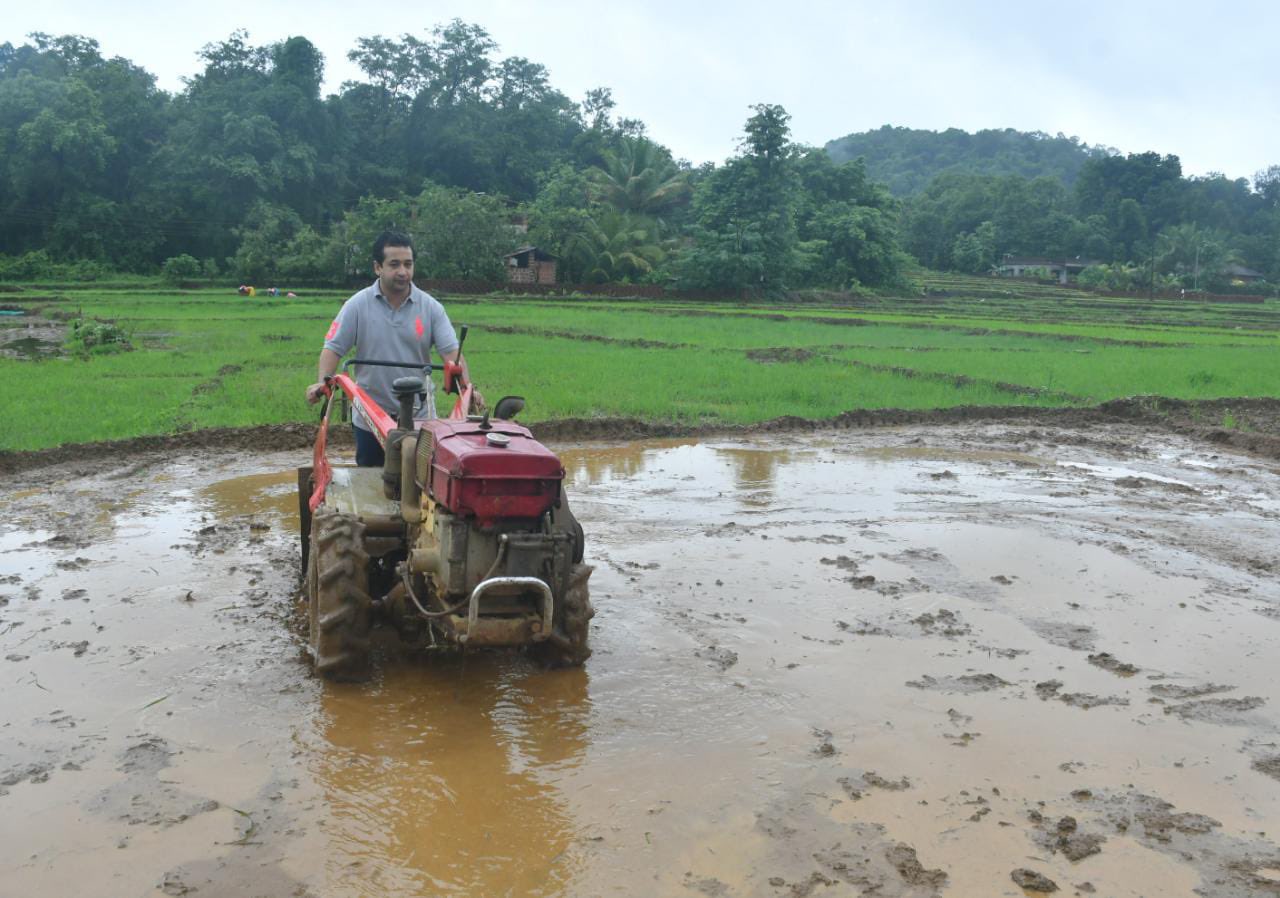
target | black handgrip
[{"x": 424, "y": 367}]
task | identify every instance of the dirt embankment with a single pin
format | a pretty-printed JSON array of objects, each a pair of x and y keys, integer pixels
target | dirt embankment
[{"x": 1254, "y": 427}]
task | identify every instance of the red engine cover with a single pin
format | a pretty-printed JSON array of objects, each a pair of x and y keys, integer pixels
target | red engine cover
[{"x": 471, "y": 476}]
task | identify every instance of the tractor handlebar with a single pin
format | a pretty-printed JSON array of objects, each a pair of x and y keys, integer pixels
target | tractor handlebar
[
  {"x": 425, "y": 367},
  {"x": 454, "y": 382}
]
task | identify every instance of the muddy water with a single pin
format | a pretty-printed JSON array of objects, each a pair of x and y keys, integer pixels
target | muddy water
[{"x": 890, "y": 663}]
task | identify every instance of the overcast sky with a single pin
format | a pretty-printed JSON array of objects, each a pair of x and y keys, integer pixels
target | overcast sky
[{"x": 1196, "y": 79}]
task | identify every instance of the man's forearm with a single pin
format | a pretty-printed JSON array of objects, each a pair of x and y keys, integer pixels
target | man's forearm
[{"x": 327, "y": 365}]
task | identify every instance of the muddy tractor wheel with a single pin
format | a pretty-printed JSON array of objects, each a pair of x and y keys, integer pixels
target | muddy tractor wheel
[
  {"x": 568, "y": 646},
  {"x": 338, "y": 601}
]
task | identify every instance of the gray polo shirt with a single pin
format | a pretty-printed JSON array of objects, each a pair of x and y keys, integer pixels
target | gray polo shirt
[{"x": 380, "y": 332}]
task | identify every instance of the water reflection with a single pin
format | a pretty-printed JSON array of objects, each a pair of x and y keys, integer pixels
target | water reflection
[
  {"x": 754, "y": 471},
  {"x": 448, "y": 776},
  {"x": 750, "y": 471},
  {"x": 594, "y": 464},
  {"x": 273, "y": 495}
]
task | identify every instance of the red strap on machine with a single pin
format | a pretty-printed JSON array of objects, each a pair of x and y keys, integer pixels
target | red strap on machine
[
  {"x": 462, "y": 407},
  {"x": 320, "y": 470}
]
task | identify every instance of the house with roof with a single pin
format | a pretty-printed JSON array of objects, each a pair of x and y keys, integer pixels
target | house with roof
[
  {"x": 1241, "y": 274},
  {"x": 1028, "y": 266},
  {"x": 530, "y": 265}
]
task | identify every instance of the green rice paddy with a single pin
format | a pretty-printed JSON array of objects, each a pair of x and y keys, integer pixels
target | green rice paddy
[{"x": 211, "y": 358}]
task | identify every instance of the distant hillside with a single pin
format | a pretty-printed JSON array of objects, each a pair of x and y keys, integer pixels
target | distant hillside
[{"x": 907, "y": 159}]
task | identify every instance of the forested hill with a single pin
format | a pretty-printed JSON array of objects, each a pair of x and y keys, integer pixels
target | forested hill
[{"x": 907, "y": 159}]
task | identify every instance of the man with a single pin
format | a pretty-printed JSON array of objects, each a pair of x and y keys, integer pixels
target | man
[{"x": 391, "y": 320}]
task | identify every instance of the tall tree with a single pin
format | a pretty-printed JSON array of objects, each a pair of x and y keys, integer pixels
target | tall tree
[
  {"x": 250, "y": 128},
  {"x": 745, "y": 237},
  {"x": 77, "y": 134},
  {"x": 848, "y": 223},
  {"x": 1152, "y": 181}
]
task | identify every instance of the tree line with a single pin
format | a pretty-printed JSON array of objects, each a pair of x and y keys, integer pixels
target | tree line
[
  {"x": 249, "y": 172},
  {"x": 1136, "y": 216},
  {"x": 969, "y": 200}
]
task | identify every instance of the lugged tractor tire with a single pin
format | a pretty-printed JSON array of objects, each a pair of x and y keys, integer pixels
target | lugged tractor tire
[
  {"x": 338, "y": 602},
  {"x": 563, "y": 519},
  {"x": 569, "y": 644}
]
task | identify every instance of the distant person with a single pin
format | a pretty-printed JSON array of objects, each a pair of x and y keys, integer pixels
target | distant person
[{"x": 391, "y": 320}]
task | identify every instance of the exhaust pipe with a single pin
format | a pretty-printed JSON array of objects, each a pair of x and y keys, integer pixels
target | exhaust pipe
[{"x": 410, "y": 495}]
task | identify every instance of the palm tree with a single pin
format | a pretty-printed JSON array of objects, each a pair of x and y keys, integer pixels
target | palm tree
[
  {"x": 638, "y": 176},
  {"x": 613, "y": 246},
  {"x": 1193, "y": 252}
]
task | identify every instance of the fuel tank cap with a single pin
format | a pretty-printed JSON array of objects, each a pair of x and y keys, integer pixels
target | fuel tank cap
[{"x": 498, "y": 440}]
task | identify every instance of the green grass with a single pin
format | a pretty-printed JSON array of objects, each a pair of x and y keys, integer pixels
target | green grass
[{"x": 211, "y": 358}]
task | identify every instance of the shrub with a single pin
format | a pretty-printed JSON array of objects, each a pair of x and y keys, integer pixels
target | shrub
[
  {"x": 86, "y": 337},
  {"x": 25, "y": 267},
  {"x": 180, "y": 268},
  {"x": 37, "y": 266},
  {"x": 1094, "y": 277}
]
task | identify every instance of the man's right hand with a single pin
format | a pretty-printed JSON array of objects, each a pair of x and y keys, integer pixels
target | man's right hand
[{"x": 316, "y": 392}]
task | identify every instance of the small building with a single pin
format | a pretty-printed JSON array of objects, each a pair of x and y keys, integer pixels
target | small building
[
  {"x": 530, "y": 265},
  {"x": 1027, "y": 266},
  {"x": 1234, "y": 272}
]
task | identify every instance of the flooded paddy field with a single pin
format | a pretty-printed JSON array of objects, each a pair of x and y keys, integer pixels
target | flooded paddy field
[{"x": 964, "y": 660}]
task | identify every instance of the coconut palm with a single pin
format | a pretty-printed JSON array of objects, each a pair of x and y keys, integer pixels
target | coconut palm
[
  {"x": 638, "y": 176},
  {"x": 609, "y": 247},
  {"x": 1193, "y": 253}
]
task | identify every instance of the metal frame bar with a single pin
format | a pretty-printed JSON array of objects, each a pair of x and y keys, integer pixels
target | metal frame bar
[{"x": 548, "y": 602}]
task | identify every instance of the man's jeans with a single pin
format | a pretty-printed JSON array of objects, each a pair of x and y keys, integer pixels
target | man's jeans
[{"x": 369, "y": 452}]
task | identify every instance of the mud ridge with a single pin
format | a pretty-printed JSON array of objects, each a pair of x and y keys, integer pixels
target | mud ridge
[
  {"x": 103, "y": 454},
  {"x": 964, "y": 380},
  {"x": 635, "y": 343},
  {"x": 1258, "y": 432}
]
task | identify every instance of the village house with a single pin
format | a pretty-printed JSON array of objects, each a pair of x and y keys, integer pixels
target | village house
[
  {"x": 530, "y": 265},
  {"x": 1239, "y": 274},
  {"x": 1028, "y": 266}
]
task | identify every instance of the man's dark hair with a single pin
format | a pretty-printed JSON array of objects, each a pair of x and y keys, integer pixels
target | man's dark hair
[{"x": 390, "y": 238}]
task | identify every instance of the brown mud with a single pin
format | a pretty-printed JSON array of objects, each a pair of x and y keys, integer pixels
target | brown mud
[{"x": 911, "y": 660}]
